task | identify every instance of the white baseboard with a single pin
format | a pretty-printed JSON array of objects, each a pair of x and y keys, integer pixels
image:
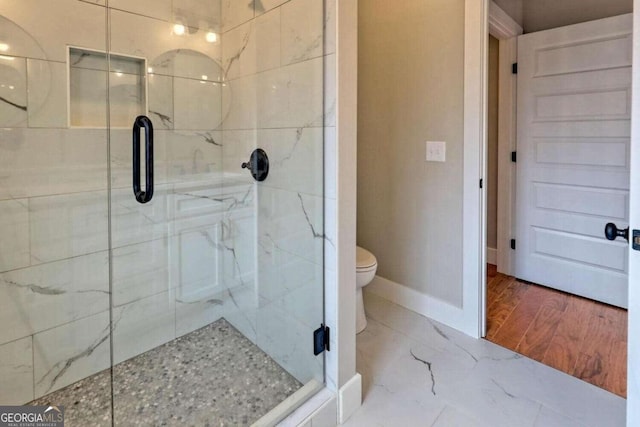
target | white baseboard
[
  {"x": 492, "y": 256},
  {"x": 425, "y": 305},
  {"x": 349, "y": 398}
]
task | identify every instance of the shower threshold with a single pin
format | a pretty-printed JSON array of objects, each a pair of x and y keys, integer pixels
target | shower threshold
[{"x": 214, "y": 376}]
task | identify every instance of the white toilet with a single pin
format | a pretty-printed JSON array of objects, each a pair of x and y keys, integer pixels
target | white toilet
[{"x": 366, "y": 266}]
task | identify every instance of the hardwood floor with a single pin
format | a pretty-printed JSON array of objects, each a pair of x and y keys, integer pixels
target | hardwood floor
[{"x": 583, "y": 338}]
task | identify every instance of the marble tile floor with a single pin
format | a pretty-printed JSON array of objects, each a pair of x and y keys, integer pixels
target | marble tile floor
[
  {"x": 417, "y": 372},
  {"x": 211, "y": 377}
]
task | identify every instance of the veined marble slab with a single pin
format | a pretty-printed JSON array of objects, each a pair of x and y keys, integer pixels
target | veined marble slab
[
  {"x": 161, "y": 101},
  {"x": 13, "y": 91},
  {"x": 47, "y": 98},
  {"x": 197, "y": 103},
  {"x": 70, "y": 352},
  {"x": 292, "y": 222},
  {"x": 191, "y": 154},
  {"x": 38, "y": 298},
  {"x": 143, "y": 325},
  {"x": 235, "y": 12},
  {"x": 286, "y": 340},
  {"x": 14, "y": 229},
  {"x": 46, "y": 35},
  {"x": 16, "y": 371},
  {"x": 44, "y": 162},
  {"x": 133, "y": 223},
  {"x": 291, "y": 96},
  {"x": 284, "y": 97},
  {"x": 67, "y": 225},
  {"x": 252, "y": 47},
  {"x": 140, "y": 270},
  {"x": 280, "y": 273},
  {"x": 296, "y": 159},
  {"x": 302, "y": 30}
]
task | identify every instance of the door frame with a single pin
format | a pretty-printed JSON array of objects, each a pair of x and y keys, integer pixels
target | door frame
[
  {"x": 506, "y": 30},
  {"x": 483, "y": 17}
]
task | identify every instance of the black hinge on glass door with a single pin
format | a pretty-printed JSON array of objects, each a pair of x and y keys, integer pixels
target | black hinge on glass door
[
  {"x": 147, "y": 195},
  {"x": 321, "y": 339}
]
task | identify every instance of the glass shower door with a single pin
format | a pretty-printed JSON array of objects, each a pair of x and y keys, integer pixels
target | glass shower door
[
  {"x": 169, "y": 335},
  {"x": 217, "y": 278},
  {"x": 54, "y": 252},
  {"x": 274, "y": 60}
]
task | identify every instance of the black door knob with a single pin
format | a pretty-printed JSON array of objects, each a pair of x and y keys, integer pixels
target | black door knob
[
  {"x": 258, "y": 165},
  {"x": 612, "y": 232}
]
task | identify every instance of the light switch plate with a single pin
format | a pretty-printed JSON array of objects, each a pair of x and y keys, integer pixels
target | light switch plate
[{"x": 436, "y": 151}]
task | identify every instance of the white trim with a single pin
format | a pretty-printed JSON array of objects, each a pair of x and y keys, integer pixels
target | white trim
[
  {"x": 344, "y": 357},
  {"x": 501, "y": 25},
  {"x": 507, "y": 99},
  {"x": 492, "y": 255},
  {"x": 476, "y": 40},
  {"x": 506, "y": 30},
  {"x": 349, "y": 398},
  {"x": 423, "y": 304}
]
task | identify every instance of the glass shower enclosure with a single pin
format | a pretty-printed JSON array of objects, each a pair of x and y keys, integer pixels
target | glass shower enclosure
[{"x": 161, "y": 208}]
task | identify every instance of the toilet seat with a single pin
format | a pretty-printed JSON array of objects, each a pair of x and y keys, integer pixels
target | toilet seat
[
  {"x": 365, "y": 260},
  {"x": 367, "y": 269}
]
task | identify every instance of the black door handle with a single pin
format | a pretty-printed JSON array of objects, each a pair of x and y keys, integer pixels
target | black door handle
[
  {"x": 612, "y": 232},
  {"x": 147, "y": 195}
]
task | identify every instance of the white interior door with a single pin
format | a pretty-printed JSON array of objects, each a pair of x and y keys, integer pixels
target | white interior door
[{"x": 574, "y": 112}]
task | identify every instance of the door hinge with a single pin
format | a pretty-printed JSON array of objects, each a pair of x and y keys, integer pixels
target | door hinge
[
  {"x": 513, "y": 244},
  {"x": 321, "y": 338},
  {"x": 514, "y": 68},
  {"x": 514, "y": 156},
  {"x": 481, "y": 183}
]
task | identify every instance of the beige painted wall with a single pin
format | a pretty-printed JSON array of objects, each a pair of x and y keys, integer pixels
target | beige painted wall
[
  {"x": 411, "y": 63},
  {"x": 544, "y": 14},
  {"x": 492, "y": 156}
]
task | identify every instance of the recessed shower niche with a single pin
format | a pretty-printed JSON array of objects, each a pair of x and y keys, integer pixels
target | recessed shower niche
[{"x": 87, "y": 88}]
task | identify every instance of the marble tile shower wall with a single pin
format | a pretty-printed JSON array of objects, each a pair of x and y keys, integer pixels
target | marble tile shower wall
[
  {"x": 168, "y": 264},
  {"x": 273, "y": 57},
  {"x": 53, "y": 180},
  {"x": 190, "y": 256}
]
